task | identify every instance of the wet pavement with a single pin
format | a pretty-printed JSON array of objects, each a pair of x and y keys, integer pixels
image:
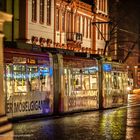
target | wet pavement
[{"x": 113, "y": 124}]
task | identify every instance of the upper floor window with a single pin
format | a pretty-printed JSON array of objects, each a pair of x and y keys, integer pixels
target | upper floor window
[
  {"x": 34, "y": 10},
  {"x": 68, "y": 22},
  {"x": 57, "y": 20},
  {"x": 48, "y": 12},
  {"x": 77, "y": 26},
  {"x": 90, "y": 29},
  {"x": 41, "y": 11},
  {"x": 63, "y": 21},
  {"x": 83, "y": 26},
  {"x": 87, "y": 27}
]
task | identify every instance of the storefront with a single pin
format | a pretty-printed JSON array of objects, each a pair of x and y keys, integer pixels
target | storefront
[
  {"x": 80, "y": 82},
  {"x": 28, "y": 83}
]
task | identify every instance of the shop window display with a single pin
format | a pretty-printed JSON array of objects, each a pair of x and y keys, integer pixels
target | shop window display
[
  {"x": 81, "y": 88},
  {"x": 23, "y": 78},
  {"x": 9, "y": 79},
  {"x": 33, "y": 78},
  {"x": 19, "y": 79}
]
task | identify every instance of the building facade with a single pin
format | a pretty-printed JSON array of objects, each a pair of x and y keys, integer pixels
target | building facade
[
  {"x": 33, "y": 22},
  {"x": 81, "y": 26},
  {"x": 75, "y": 25}
]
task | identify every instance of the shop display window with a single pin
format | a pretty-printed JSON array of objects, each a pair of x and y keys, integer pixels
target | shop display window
[
  {"x": 108, "y": 80},
  {"x": 85, "y": 82},
  {"x": 44, "y": 78},
  {"x": 93, "y": 81},
  {"x": 19, "y": 78},
  {"x": 23, "y": 78},
  {"x": 8, "y": 78},
  {"x": 38, "y": 78},
  {"x": 115, "y": 80},
  {"x": 79, "y": 81},
  {"x": 33, "y": 78},
  {"x": 66, "y": 81}
]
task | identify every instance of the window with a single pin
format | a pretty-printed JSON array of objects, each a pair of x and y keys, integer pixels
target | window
[
  {"x": 41, "y": 11},
  {"x": 83, "y": 26},
  {"x": 19, "y": 74},
  {"x": 98, "y": 31},
  {"x": 48, "y": 12},
  {"x": 9, "y": 78},
  {"x": 68, "y": 26},
  {"x": 33, "y": 81},
  {"x": 79, "y": 29},
  {"x": 105, "y": 31},
  {"x": 63, "y": 21},
  {"x": 90, "y": 28},
  {"x": 78, "y": 24},
  {"x": 80, "y": 80},
  {"x": 102, "y": 32},
  {"x": 75, "y": 21},
  {"x": 38, "y": 78},
  {"x": 68, "y": 22},
  {"x": 87, "y": 28},
  {"x": 34, "y": 10},
  {"x": 57, "y": 20}
]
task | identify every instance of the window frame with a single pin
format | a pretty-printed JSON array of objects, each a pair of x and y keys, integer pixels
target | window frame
[
  {"x": 34, "y": 10},
  {"x": 48, "y": 12}
]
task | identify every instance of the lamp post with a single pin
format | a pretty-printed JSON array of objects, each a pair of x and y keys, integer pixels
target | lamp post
[{"x": 6, "y": 132}]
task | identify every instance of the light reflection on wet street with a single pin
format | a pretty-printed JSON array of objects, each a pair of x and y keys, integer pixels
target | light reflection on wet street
[{"x": 113, "y": 124}]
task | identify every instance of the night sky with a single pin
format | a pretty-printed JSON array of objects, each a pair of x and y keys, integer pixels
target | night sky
[{"x": 126, "y": 12}]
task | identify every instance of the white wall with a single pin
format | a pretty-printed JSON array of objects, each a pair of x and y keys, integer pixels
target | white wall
[{"x": 37, "y": 29}]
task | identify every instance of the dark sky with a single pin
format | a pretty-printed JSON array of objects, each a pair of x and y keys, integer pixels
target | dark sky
[{"x": 127, "y": 12}]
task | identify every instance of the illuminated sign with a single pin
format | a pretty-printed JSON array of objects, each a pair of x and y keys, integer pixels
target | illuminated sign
[
  {"x": 92, "y": 69},
  {"x": 20, "y": 60},
  {"x": 22, "y": 76},
  {"x": 31, "y": 61},
  {"x": 107, "y": 67}
]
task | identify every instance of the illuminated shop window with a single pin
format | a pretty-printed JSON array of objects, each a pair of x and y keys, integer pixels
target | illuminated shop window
[
  {"x": 116, "y": 80},
  {"x": 78, "y": 80},
  {"x": 44, "y": 78},
  {"x": 66, "y": 81},
  {"x": 93, "y": 81},
  {"x": 108, "y": 80},
  {"x": 38, "y": 78},
  {"x": 19, "y": 79},
  {"x": 33, "y": 78},
  {"x": 8, "y": 80},
  {"x": 85, "y": 82}
]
